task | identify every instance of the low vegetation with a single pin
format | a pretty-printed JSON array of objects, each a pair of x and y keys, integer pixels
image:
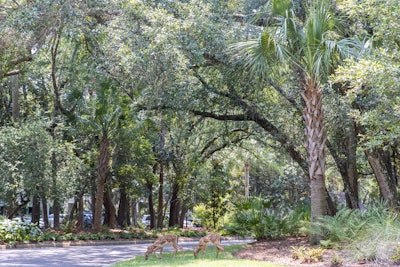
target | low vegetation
[
  {"x": 370, "y": 234},
  {"x": 307, "y": 255},
  {"x": 261, "y": 219},
  {"x": 187, "y": 260},
  {"x": 15, "y": 231},
  {"x": 12, "y": 232}
]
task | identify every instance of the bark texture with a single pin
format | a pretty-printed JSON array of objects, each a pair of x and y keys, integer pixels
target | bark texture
[
  {"x": 109, "y": 215},
  {"x": 102, "y": 169},
  {"x": 316, "y": 155},
  {"x": 379, "y": 163}
]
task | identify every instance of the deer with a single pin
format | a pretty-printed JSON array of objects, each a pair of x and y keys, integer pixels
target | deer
[
  {"x": 215, "y": 239},
  {"x": 159, "y": 244}
]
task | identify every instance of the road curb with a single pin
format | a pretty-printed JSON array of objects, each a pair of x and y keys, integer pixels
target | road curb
[{"x": 65, "y": 244}]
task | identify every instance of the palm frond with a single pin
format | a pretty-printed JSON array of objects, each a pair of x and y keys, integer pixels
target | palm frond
[
  {"x": 253, "y": 56},
  {"x": 315, "y": 47}
]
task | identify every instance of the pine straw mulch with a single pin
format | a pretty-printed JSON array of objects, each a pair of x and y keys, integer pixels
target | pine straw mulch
[{"x": 279, "y": 252}]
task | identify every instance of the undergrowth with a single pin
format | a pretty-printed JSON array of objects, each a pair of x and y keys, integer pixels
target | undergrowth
[{"x": 370, "y": 234}]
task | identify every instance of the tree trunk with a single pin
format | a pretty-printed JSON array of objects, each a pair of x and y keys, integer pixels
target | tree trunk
[
  {"x": 175, "y": 206},
  {"x": 102, "y": 169},
  {"x": 347, "y": 165},
  {"x": 247, "y": 179},
  {"x": 24, "y": 200},
  {"x": 183, "y": 216},
  {"x": 109, "y": 217},
  {"x": 351, "y": 179},
  {"x": 160, "y": 210},
  {"x": 128, "y": 212},
  {"x": 35, "y": 209},
  {"x": 382, "y": 171},
  {"x": 55, "y": 191},
  {"x": 160, "y": 197},
  {"x": 123, "y": 209},
  {"x": 56, "y": 212},
  {"x": 134, "y": 213},
  {"x": 151, "y": 206},
  {"x": 80, "y": 224},
  {"x": 71, "y": 209},
  {"x": 44, "y": 211},
  {"x": 316, "y": 156}
]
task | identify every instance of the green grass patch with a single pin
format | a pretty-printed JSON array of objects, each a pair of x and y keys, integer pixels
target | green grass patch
[{"x": 187, "y": 260}]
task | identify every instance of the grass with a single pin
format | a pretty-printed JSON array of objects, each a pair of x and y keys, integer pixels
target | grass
[{"x": 187, "y": 260}]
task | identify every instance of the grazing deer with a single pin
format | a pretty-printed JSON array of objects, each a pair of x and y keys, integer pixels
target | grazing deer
[
  {"x": 159, "y": 244},
  {"x": 214, "y": 239}
]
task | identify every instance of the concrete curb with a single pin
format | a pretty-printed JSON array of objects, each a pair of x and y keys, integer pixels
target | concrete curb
[{"x": 65, "y": 244}]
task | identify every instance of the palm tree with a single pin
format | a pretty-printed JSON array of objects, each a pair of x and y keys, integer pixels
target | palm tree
[
  {"x": 103, "y": 119},
  {"x": 311, "y": 49}
]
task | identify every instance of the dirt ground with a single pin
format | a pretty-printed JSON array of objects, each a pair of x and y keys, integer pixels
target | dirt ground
[{"x": 279, "y": 252}]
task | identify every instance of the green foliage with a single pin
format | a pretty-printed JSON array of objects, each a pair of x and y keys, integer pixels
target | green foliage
[
  {"x": 379, "y": 238},
  {"x": 368, "y": 234},
  {"x": 130, "y": 233},
  {"x": 26, "y": 162},
  {"x": 187, "y": 232},
  {"x": 258, "y": 217},
  {"x": 213, "y": 196},
  {"x": 191, "y": 233},
  {"x": 336, "y": 261},
  {"x": 343, "y": 227},
  {"x": 15, "y": 231}
]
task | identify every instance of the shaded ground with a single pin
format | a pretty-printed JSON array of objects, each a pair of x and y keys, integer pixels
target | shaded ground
[{"x": 279, "y": 252}]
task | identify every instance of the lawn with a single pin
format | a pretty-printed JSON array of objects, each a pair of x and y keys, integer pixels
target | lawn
[{"x": 187, "y": 260}]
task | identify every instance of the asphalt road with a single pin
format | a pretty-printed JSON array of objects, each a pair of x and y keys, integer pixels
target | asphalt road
[{"x": 80, "y": 256}]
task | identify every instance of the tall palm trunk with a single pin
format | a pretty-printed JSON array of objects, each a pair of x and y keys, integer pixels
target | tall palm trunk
[
  {"x": 316, "y": 155},
  {"x": 102, "y": 170}
]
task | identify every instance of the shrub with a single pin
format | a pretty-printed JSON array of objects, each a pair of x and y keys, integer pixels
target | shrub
[
  {"x": 378, "y": 239},
  {"x": 256, "y": 217},
  {"x": 341, "y": 228},
  {"x": 370, "y": 234},
  {"x": 13, "y": 231},
  {"x": 307, "y": 255}
]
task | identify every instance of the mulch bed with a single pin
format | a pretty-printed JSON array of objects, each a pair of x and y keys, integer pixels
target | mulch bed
[{"x": 279, "y": 252}]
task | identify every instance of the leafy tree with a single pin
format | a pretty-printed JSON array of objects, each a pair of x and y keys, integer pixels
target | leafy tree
[
  {"x": 26, "y": 165},
  {"x": 134, "y": 160},
  {"x": 369, "y": 87},
  {"x": 214, "y": 193}
]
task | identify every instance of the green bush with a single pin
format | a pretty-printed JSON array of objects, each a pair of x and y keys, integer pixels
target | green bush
[
  {"x": 200, "y": 211},
  {"x": 13, "y": 231},
  {"x": 191, "y": 233},
  {"x": 372, "y": 233},
  {"x": 125, "y": 235},
  {"x": 378, "y": 239},
  {"x": 257, "y": 217},
  {"x": 341, "y": 228}
]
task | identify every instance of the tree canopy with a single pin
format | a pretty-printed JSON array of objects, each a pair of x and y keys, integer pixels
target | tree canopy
[{"x": 125, "y": 108}]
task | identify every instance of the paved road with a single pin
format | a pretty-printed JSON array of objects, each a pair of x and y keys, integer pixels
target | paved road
[{"x": 81, "y": 256}]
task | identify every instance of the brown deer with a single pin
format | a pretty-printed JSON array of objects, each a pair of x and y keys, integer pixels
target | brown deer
[
  {"x": 159, "y": 244},
  {"x": 212, "y": 238}
]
